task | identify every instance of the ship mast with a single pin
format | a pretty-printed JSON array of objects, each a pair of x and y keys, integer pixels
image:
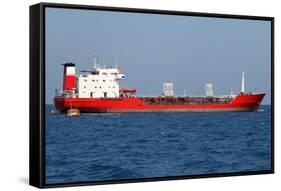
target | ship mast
[
  {"x": 95, "y": 62},
  {"x": 243, "y": 83}
]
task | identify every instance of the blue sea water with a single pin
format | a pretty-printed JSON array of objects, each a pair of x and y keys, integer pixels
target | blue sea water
[{"x": 112, "y": 146}]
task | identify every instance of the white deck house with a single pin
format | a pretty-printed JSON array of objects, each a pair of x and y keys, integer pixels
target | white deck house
[{"x": 99, "y": 83}]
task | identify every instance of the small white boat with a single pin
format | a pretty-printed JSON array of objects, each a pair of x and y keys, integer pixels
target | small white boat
[{"x": 73, "y": 112}]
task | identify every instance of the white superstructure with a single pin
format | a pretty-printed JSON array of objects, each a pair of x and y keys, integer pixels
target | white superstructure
[{"x": 99, "y": 83}]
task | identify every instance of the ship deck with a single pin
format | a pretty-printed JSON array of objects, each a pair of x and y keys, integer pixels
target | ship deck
[{"x": 185, "y": 100}]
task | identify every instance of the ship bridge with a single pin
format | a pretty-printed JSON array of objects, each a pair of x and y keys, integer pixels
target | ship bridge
[{"x": 101, "y": 82}]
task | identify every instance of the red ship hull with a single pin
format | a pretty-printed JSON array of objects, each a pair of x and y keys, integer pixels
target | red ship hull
[{"x": 243, "y": 102}]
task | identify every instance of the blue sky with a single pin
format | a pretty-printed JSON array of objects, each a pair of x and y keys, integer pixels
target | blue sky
[{"x": 152, "y": 49}]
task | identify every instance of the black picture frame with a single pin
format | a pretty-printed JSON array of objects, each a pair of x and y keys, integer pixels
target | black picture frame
[{"x": 37, "y": 92}]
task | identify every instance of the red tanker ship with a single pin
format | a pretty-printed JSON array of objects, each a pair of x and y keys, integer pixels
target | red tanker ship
[{"x": 98, "y": 91}]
